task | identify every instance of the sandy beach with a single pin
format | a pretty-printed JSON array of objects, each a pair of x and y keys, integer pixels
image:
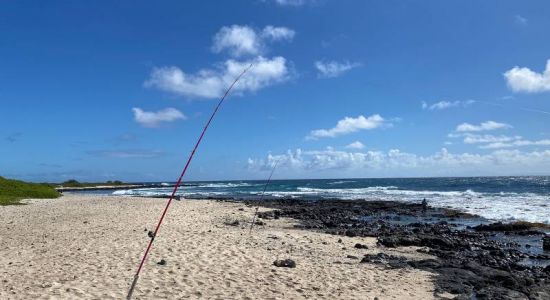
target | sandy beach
[{"x": 88, "y": 247}]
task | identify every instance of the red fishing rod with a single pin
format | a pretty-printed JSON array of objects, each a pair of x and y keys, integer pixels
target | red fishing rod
[{"x": 178, "y": 183}]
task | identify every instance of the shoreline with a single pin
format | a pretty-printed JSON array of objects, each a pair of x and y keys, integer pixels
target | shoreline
[
  {"x": 483, "y": 261},
  {"x": 81, "y": 247},
  {"x": 495, "y": 198},
  {"x": 453, "y": 259}
]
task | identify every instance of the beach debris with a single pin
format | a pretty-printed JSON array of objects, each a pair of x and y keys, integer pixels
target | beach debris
[
  {"x": 285, "y": 263},
  {"x": 360, "y": 246},
  {"x": 162, "y": 262}
]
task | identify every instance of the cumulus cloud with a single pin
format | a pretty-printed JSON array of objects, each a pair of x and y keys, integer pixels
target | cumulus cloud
[
  {"x": 485, "y": 126},
  {"x": 355, "y": 145},
  {"x": 446, "y": 104},
  {"x": 525, "y": 80},
  {"x": 472, "y": 138},
  {"x": 349, "y": 125},
  {"x": 278, "y": 33},
  {"x": 516, "y": 143},
  {"x": 153, "y": 119},
  {"x": 398, "y": 162},
  {"x": 244, "y": 40},
  {"x": 488, "y": 141},
  {"x": 292, "y": 2},
  {"x": 487, "y": 138},
  {"x": 238, "y": 40},
  {"x": 331, "y": 69},
  {"x": 211, "y": 83}
]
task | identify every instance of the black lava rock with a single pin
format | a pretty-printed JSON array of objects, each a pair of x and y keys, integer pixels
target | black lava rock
[
  {"x": 285, "y": 263},
  {"x": 470, "y": 263},
  {"x": 546, "y": 243},
  {"x": 361, "y": 246}
]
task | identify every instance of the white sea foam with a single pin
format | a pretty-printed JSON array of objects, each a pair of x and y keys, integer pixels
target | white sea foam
[
  {"x": 494, "y": 206},
  {"x": 341, "y": 182},
  {"x": 226, "y": 185}
]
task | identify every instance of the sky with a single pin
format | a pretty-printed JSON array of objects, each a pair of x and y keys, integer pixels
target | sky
[{"x": 102, "y": 90}]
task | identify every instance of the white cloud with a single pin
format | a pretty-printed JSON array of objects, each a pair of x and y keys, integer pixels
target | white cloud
[
  {"x": 278, "y": 33},
  {"x": 446, "y": 104},
  {"x": 239, "y": 40},
  {"x": 349, "y": 125},
  {"x": 516, "y": 143},
  {"x": 244, "y": 40},
  {"x": 330, "y": 69},
  {"x": 355, "y": 145},
  {"x": 397, "y": 163},
  {"x": 498, "y": 142},
  {"x": 212, "y": 82},
  {"x": 153, "y": 119},
  {"x": 208, "y": 83},
  {"x": 292, "y": 2},
  {"x": 525, "y": 80},
  {"x": 485, "y": 126},
  {"x": 487, "y": 138}
]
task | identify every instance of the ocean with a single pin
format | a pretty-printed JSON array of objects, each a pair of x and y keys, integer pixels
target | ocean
[{"x": 495, "y": 198}]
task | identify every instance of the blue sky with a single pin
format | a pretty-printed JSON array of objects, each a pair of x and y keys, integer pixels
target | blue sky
[{"x": 96, "y": 90}]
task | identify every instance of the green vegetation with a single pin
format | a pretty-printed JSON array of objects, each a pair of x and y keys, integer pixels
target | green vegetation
[
  {"x": 11, "y": 191},
  {"x": 75, "y": 183}
]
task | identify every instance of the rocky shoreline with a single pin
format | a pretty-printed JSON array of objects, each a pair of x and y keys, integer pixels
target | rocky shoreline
[{"x": 473, "y": 262}]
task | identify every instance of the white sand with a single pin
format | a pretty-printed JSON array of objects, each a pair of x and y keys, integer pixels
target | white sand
[{"x": 88, "y": 247}]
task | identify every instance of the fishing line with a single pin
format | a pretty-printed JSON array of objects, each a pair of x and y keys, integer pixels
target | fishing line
[
  {"x": 178, "y": 183},
  {"x": 262, "y": 196}
]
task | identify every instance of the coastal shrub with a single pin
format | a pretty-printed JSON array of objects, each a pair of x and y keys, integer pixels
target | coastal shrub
[
  {"x": 116, "y": 182},
  {"x": 11, "y": 191},
  {"x": 71, "y": 183},
  {"x": 74, "y": 183}
]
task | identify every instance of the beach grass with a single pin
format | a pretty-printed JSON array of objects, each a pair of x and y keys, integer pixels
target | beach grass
[{"x": 12, "y": 191}]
